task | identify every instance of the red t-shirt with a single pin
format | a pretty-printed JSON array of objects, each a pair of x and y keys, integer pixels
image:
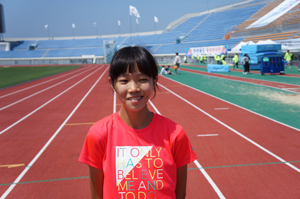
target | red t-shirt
[{"x": 137, "y": 163}]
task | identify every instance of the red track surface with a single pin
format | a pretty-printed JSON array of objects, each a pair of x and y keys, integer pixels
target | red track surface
[{"x": 21, "y": 143}]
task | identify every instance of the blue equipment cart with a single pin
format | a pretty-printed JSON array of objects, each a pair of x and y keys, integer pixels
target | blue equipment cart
[{"x": 272, "y": 65}]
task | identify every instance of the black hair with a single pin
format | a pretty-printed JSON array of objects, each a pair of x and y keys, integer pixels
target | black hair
[
  {"x": 128, "y": 58},
  {"x": 176, "y": 53}
]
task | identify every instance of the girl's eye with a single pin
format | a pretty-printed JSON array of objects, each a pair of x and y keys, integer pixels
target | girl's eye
[
  {"x": 123, "y": 81},
  {"x": 143, "y": 80}
]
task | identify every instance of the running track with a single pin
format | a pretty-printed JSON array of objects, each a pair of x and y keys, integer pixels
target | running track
[{"x": 238, "y": 158}]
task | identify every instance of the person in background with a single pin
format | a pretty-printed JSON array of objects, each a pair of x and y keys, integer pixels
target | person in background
[
  {"x": 184, "y": 59},
  {"x": 204, "y": 58},
  {"x": 198, "y": 59},
  {"x": 223, "y": 57},
  {"x": 192, "y": 58},
  {"x": 288, "y": 58},
  {"x": 217, "y": 58},
  {"x": 235, "y": 61},
  {"x": 201, "y": 59},
  {"x": 246, "y": 64},
  {"x": 177, "y": 62},
  {"x": 168, "y": 70},
  {"x": 163, "y": 70}
]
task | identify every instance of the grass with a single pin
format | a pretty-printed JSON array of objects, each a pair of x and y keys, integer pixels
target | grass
[{"x": 16, "y": 75}]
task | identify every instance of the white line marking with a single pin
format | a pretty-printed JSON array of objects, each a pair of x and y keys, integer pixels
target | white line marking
[
  {"x": 203, "y": 135},
  {"x": 233, "y": 130},
  {"x": 221, "y": 109},
  {"x": 248, "y": 82},
  {"x": 49, "y": 141},
  {"x": 20, "y": 120},
  {"x": 16, "y": 102},
  {"x": 233, "y": 104},
  {"x": 211, "y": 182},
  {"x": 39, "y": 83},
  {"x": 289, "y": 88}
]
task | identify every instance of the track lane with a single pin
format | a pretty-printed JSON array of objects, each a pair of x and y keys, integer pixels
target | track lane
[
  {"x": 33, "y": 83},
  {"x": 230, "y": 149},
  {"x": 30, "y": 136},
  {"x": 38, "y": 90},
  {"x": 67, "y": 145},
  {"x": 15, "y": 114}
]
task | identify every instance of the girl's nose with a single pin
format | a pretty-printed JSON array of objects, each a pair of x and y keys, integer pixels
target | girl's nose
[{"x": 134, "y": 86}]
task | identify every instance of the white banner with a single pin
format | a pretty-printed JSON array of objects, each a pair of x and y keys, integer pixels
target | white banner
[
  {"x": 155, "y": 19},
  {"x": 209, "y": 51},
  {"x": 274, "y": 14}
]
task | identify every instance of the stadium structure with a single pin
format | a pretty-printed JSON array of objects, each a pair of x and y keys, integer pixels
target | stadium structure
[{"x": 191, "y": 30}]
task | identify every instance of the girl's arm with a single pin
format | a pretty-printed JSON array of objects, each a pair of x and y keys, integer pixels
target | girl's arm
[
  {"x": 96, "y": 182},
  {"x": 181, "y": 182}
]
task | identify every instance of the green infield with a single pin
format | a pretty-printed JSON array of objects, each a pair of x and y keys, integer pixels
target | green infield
[{"x": 15, "y": 75}]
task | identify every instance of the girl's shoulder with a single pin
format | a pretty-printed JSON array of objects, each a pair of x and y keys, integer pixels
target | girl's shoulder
[
  {"x": 101, "y": 127},
  {"x": 167, "y": 124}
]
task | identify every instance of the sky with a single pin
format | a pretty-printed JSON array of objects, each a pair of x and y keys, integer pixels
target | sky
[{"x": 27, "y": 18}]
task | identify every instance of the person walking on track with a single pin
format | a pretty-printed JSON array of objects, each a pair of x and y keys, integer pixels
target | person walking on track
[{"x": 177, "y": 62}]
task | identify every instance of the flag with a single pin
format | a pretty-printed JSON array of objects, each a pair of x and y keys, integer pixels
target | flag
[
  {"x": 134, "y": 11},
  {"x": 119, "y": 23},
  {"x": 73, "y": 25},
  {"x": 46, "y": 26},
  {"x": 95, "y": 24},
  {"x": 155, "y": 19},
  {"x": 137, "y": 21}
]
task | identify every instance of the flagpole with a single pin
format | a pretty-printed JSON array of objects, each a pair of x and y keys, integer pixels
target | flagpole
[
  {"x": 154, "y": 28},
  {"x": 130, "y": 29},
  {"x": 119, "y": 30},
  {"x": 48, "y": 33}
]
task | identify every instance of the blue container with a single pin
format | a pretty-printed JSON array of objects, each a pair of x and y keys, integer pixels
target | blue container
[
  {"x": 261, "y": 48},
  {"x": 272, "y": 65},
  {"x": 215, "y": 68}
]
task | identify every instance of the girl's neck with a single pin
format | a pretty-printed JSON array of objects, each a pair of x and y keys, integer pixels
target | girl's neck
[{"x": 136, "y": 119}]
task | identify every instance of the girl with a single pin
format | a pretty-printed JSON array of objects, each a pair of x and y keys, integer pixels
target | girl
[{"x": 135, "y": 153}]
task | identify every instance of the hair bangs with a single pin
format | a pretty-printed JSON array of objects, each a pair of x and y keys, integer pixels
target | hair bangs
[{"x": 132, "y": 59}]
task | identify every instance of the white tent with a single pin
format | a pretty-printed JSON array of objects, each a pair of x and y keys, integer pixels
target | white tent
[
  {"x": 238, "y": 47},
  {"x": 269, "y": 41}
]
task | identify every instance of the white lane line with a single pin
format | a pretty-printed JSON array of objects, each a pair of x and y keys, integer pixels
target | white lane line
[
  {"x": 40, "y": 83},
  {"x": 235, "y": 131},
  {"x": 16, "y": 102},
  {"x": 208, "y": 178},
  {"x": 232, "y": 104},
  {"x": 290, "y": 88},
  {"x": 49, "y": 141},
  {"x": 204, "y": 135},
  {"x": 217, "y": 109},
  {"x": 249, "y": 82},
  {"x": 29, "y": 114}
]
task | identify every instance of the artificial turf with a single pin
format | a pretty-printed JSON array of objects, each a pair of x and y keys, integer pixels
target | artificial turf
[{"x": 16, "y": 75}]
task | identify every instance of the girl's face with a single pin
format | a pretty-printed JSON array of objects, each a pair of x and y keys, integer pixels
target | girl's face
[{"x": 134, "y": 89}]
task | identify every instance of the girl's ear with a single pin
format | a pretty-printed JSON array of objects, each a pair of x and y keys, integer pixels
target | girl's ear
[{"x": 109, "y": 80}]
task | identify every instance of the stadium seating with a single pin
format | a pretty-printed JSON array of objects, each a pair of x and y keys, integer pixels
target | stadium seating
[
  {"x": 199, "y": 31},
  {"x": 276, "y": 36}
]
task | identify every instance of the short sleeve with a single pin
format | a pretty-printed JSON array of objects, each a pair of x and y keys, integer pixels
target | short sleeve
[
  {"x": 93, "y": 150},
  {"x": 183, "y": 152}
]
